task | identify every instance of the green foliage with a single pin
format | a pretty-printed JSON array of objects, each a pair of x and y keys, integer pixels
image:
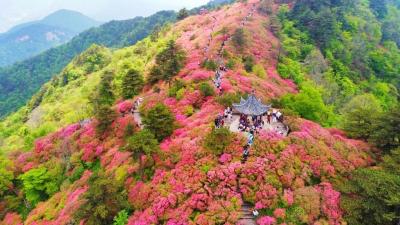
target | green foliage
[
  {"x": 385, "y": 130},
  {"x": 248, "y": 62},
  {"x": 121, "y": 218},
  {"x": 160, "y": 121},
  {"x": 182, "y": 14},
  {"x": 228, "y": 99},
  {"x": 143, "y": 143},
  {"x": 372, "y": 197},
  {"x": 41, "y": 183},
  {"x": 20, "y": 81},
  {"x": 239, "y": 39},
  {"x": 176, "y": 86},
  {"x": 359, "y": 116},
  {"x": 102, "y": 102},
  {"x": 291, "y": 69},
  {"x": 209, "y": 65},
  {"x": 6, "y": 175},
  {"x": 206, "y": 89},
  {"x": 132, "y": 84},
  {"x": 168, "y": 63},
  {"x": 218, "y": 140},
  {"x": 104, "y": 200},
  {"x": 259, "y": 71},
  {"x": 309, "y": 104}
]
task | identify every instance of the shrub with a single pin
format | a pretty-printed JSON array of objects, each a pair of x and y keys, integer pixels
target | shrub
[
  {"x": 248, "y": 62},
  {"x": 104, "y": 199},
  {"x": 290, "y": 69},
  {"x": 228, "y": 99},
  {"x": 218, "y": 140},
  {"x": 189, "y": 110},
  {"x": 176, "y": 86},
  {"x": 239, "y": 39},
  {"x": 259, "y": 71},
  {"x": 209, "y": 65},
  {"x": 121, "y": 218},
  {"x": 160, "y": 121},
  {"x": 206, "y": 89}
]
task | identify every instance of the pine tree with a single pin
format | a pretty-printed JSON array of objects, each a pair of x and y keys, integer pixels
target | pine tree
[
  {"x": 182, "y": 14},
  {"x": 168, "y": 63},
  {"x": 102, "y": 102},
  {"x": 132, "y": 84},
  {"x": 160, "y": 121}
]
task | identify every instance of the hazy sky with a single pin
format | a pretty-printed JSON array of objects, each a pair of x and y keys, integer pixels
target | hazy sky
[{"x": 13, "y": 12}]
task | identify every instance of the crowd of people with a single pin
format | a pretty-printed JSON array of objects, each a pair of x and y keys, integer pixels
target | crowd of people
[
  {"x": 219, "y": 122},
  {"x": 256, "y": 123},
  {"x": 274, "y": 116}
]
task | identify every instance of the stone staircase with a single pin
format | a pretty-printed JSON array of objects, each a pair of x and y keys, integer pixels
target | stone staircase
[{"x": 247, "y": 217}]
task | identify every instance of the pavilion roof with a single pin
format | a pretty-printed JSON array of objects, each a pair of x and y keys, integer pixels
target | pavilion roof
[{"x": 251, "y": 106}]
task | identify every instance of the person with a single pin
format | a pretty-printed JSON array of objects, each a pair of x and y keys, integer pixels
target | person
[
  {"x": 255, "y": 213},
  {"x": 222, "y": 123},
  {"x": 246, "y": 153},
  {"x": 269, "y": 117},
  {"x": 274, "y": 116},
  {"x": 278, "y": 116},
  {"x": 216, "y": 122},
  {"x": 250, "y": 138}
]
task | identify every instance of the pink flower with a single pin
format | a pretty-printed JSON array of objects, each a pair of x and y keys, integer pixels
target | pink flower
[
  {"x": 266, "y": 220},
  {"x": 288, "y": 196},
  {"x": 279, "y": 213},
  {"x": 225, "y": 158}
]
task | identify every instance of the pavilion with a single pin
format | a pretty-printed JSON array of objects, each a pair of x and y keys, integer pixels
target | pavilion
[{"x": 251, "y": 106}]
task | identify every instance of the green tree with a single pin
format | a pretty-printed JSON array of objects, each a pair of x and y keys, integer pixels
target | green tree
[
  {"x": 218, "y": 140},
  {"x": 206, "y": 89},
  {"x": 102, "y": 101},
  {"x": 248, "y": 62},
  {"x": 103, "y": 200},
  {"x": 142, "y": 143},
  {"x": 359, "y": 115},
  {"x": 371, "y": 197},
  {"x": 41, "y": 183},
  {"x": 132, "y": 84},
  {"x": 309, "y": 104},
  {"x": 182, "y": 14},
  {"x": 168, "y": 63},
  {"x": 239, "y": 39},
  {"x": 385, "y": 132},
  {"x": 160, "y": 121}
]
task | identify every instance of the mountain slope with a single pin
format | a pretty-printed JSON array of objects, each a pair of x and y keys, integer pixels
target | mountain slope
[
  {"x": 20, "y": 81},
  {"x": 29, "y": 39},
  {"x": 182, "y": 180}
]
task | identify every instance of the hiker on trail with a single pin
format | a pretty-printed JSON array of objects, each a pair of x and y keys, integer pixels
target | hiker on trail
[
  {"x": 274, "y": 118},
  {"x": 250, "y": 138},
  {"x": 246, "y": 153},
  {"x": 279, "y": 116},
  {"x": 269, "y": 117}
]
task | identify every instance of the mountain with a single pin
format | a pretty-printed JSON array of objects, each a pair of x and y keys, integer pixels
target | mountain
[
  {"x": 20, "y": 81},
  {"x": 128, "y": 136},
  {"x": 29, "y": 39}
]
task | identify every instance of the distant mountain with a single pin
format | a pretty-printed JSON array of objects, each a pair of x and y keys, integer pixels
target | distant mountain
[
  {"x": 21, "y": 80},
  {"x": 29, "y": 39}
]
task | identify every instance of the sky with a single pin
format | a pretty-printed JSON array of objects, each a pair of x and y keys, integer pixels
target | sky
[{"x": 14, "y": 12}]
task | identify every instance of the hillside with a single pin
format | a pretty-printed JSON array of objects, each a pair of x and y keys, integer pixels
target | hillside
[
  {"x": 136, "y": 141},
  {"x": 20, "y": 81},
  {"x": 26, "y": 40}
]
